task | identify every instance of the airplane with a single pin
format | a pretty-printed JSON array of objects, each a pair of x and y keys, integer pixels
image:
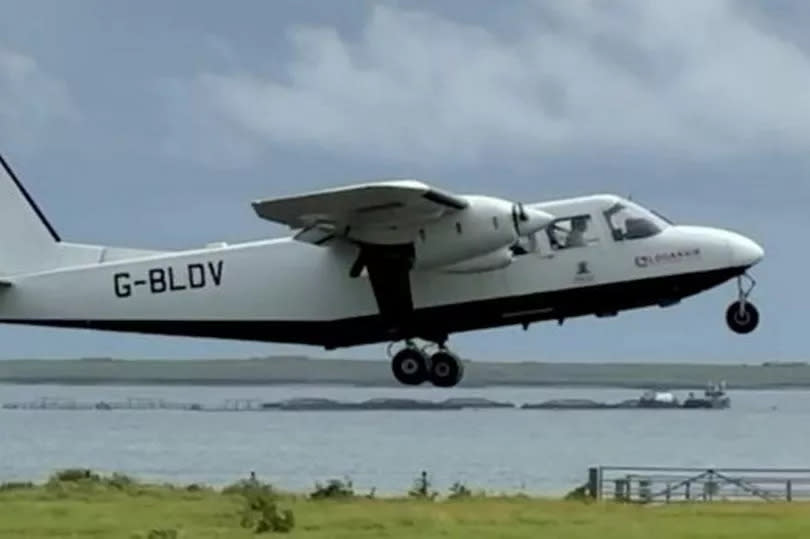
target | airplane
[{"x": 392, "y": 261}]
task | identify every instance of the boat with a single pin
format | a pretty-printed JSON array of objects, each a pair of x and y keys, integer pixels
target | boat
[
  {"x": 713, "y": 397},
  {"x": 658, "y": 399}
]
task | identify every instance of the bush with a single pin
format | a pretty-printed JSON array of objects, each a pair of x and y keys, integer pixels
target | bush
[
  {"x": 421, "y": 488},
  {"x": 262, "y": 515},
  {"x": 120, "y": 481},
  {"x": 247, "y": 487},
  {"x": 458, "y": 490},
  {"x": 15, "y": 485},
  {"x": 75, "y": 475},
  {"x": 162, "y": 534},
  {"x": 579, "y": 494},
  {"x": 334, "y": 489}
]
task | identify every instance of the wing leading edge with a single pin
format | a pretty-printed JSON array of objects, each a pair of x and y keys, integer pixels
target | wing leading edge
[{"x": 321, "y": 214}]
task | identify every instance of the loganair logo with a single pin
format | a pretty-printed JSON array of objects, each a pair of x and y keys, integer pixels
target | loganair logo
[{"x": 672, "y": 257}]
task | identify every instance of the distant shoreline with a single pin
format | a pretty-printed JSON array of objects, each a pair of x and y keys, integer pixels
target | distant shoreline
[{"x": 277, "y": 371}]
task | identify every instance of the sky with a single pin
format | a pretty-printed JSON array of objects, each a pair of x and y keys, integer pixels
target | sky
[{"x": 154, "y": 125}]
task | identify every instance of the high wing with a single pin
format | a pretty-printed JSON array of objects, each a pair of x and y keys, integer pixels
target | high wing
[
  {"x": 334, "y": 213},
  {"x": 322, "y": 215}
]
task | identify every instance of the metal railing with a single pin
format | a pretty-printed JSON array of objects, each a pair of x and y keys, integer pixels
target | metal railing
[{"x": 670, "y": 485}]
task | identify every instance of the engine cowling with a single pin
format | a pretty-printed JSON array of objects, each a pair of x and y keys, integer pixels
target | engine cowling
[
  {"x": 479, "y": 234},
  {"x": 489, "y": 262}
]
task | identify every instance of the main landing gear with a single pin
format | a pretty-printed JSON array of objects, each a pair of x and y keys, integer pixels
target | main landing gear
[
  {"x": 413, "y": 366},
  {"x": 741, "y": 316}
]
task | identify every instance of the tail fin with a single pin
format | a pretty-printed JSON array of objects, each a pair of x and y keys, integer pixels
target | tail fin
[{"x": 28, "y": 242}]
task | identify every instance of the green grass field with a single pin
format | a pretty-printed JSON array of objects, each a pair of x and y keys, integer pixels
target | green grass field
[{"x": 120, "y": 508}]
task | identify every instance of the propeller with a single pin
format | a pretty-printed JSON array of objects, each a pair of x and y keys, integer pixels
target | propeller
[
  {"x": 527, "y": 223},
  {"x": 518, "y": 215}
]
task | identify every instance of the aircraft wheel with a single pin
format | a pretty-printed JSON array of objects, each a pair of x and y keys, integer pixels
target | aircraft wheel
[
  {"x": 410, "y": 367},
  {"x": 446, "y": 369},
  {"x": 743, "y": 320}
]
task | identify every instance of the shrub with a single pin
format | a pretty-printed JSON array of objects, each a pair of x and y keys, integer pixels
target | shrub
[
  {"x": 75, "y": 475},
  {"x": 15, "y": 485},
  {"x": 459, "y": 490},
  {"x": 579, "y": 494},
  {"x": 262, "y": 515},
  {"x": 335, "y": 488},
  {"x": 421, "y": 488},
  {"x": 247, "y": 487},
  {"x": 162, "y": 534},
  {"x": 120, "y": 481}
]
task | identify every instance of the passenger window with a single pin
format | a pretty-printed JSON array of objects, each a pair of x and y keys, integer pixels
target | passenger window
[{"x": 572, "y": 232}]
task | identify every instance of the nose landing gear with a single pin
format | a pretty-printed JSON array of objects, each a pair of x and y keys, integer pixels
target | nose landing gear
[
  {"x": 413, "y": 366},
  {"x": 741, "y": 316}
]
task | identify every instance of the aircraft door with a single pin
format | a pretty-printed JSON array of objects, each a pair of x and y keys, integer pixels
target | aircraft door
[
  {"x": 564, "y": 255},
  {"x": 576, "y": 242}
]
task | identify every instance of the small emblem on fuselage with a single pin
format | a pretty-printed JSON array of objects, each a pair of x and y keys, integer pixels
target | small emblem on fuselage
[{"x": 583, "y": 274}]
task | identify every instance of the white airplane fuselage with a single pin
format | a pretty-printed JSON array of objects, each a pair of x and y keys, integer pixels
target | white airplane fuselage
[{"x": 284, "y": 290}]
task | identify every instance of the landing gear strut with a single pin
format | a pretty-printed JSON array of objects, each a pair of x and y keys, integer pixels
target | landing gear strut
[
  {"x": 741, "y": 316},
  {"x": 413, "y": 366}
]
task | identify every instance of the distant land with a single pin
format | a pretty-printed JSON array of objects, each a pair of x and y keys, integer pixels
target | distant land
[{"x": 376, "y": 373}]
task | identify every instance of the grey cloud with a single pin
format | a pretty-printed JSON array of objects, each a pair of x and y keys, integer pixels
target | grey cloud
[
  {"x": 32, "y": 102},
  {"x": 784, "y": 19},
  {"x": 415, "y": 87}
]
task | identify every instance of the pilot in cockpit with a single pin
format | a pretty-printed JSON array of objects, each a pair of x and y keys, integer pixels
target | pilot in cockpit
[{"x": 576, "y": 238}]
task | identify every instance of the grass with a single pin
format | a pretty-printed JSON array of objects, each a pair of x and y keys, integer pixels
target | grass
[{"x": 98, "y": 507}]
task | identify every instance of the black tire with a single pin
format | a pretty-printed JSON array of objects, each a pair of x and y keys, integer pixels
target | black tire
[
  {"x": 410, "y": 367},
  {"x": 742, "y": 322},
  {"x": 445, "y": 369}
]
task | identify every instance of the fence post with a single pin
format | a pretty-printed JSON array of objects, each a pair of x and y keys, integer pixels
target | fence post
[
  {"x": 789, "y": 489},
  {"x": 593, "y": 483},
  {"x": 621, "y": 490},
  {"x": 644, "y": 491}
]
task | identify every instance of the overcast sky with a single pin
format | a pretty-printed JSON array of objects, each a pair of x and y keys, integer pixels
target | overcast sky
[{"x": 155, "y": 124}]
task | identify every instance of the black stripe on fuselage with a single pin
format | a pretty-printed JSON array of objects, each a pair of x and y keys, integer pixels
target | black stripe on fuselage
[{"x": 446, "y": 319}]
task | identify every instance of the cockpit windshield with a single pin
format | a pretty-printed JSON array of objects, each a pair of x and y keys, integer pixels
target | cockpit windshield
[{"x": 629, "y": 221}]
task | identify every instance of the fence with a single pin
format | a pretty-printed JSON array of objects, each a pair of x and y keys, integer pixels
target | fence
[{"x": 670, "y": 485}]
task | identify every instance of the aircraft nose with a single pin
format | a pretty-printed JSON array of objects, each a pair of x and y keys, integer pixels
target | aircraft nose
[{"x": 744, "y": 251}]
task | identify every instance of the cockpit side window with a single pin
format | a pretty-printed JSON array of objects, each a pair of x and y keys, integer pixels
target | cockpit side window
[
  {"x": 628, "y": 222},
  {"x": 571, "y": 232}
]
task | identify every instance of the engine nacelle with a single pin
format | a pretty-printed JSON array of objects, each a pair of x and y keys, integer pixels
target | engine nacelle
[
  {"x": 489, "y": 262},
  {"x": 486, "y": 225}
]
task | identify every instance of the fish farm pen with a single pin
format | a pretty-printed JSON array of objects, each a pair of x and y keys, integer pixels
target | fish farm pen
[{"x": 714, "y": 398}]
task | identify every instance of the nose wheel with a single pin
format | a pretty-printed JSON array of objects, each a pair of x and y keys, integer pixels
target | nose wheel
[
  {"x": 413, "y": 366},
  {"x": 742, "y": 316}
]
